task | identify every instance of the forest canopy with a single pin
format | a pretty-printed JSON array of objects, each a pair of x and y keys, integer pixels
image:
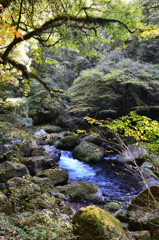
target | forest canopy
[{"x": 66, "y": 24}]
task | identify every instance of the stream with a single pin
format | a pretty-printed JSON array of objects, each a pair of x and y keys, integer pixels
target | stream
[{"x": 116, "y": 182}]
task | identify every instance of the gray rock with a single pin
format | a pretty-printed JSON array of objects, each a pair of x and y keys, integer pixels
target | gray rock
[
  {"x": 136, "y": 152},
  {"x": 38, "y": 163}
]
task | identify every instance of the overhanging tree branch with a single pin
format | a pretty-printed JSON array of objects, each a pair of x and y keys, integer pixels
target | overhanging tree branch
[
  {"x": 59, "y": 21},
  {"x": 30, "y": 75}
]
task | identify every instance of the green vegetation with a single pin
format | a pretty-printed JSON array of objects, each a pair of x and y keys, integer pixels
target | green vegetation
[{"x": 61, "y": 61}]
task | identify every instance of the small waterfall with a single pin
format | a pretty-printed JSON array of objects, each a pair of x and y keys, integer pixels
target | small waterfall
[{"x": 111, "y": 176}]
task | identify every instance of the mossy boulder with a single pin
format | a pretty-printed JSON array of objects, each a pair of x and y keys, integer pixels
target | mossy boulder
[
  {"x": 9, "y": 170},
  {"x": 21, "y": 192},
  {"x": 52, "y": 129},
  {"x": 93, "y": 138},
  {"x": 112, "y": 206},
  {"x": 79, "y": 192},
  {"x": 38, "y": 163},
  {"x": 68, "y": 143},
  {"x": 121, "y": 215},
  {"x": 94, "y": 223},
  {"x": 143, "y": 210},
  {"x": 57, "y": 176},
  {"x": 88, "y": 152}
]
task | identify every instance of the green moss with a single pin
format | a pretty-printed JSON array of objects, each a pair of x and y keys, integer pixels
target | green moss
[
  {"x": 94, "y": 223},
  {"x": 112, "y": 206},
  {"x": 88, "y": 152}
]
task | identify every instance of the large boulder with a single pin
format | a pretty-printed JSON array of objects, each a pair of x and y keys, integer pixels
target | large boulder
[
  {"x": 94, "y": 223},
  {"x": 68, "y": 143},
  {"x": 135, "y": 152},
  {"x": 88, "y": 152},
  {"x": 38, "y": 163},
  {"x": 9, "y": 170},
  {"x": 143, "y": 211},
  {"x": 57, "y": 176},
  {"x": 20, "y": 192},
  {"x": 80, "y": 192}
]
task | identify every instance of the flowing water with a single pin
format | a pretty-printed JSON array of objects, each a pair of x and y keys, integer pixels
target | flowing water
[{"x": 116, "y": 182}]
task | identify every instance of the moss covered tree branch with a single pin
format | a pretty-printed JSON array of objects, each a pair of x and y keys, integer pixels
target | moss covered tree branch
[{"x": 30, "y": 75}]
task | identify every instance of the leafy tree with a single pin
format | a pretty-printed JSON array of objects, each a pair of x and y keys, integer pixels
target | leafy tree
[
  {"x": 147, "y": 50},
  {"x": 68, "y": 23}
]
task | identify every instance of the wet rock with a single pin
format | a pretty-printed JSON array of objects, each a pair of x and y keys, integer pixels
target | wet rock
[
  {"x": 9, "y": 170},
  {"x": 56, "y": 176},
  {"x": 79, "y": 192},
  {"x": 38, "y": 163},
  {"x": 88, "y": 152},
  {"x": 94, "y": 223},
  {"x": 68, "y": 143}
]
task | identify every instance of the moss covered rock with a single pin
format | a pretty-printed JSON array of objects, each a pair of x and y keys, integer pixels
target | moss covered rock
[
  {"x": 52, "y": 129},
  {"x": 9, "y": 170},
  {"x": 121, "y": 215},
  {"x": 68, "y": 143},
  {"x": 94, "y": 223},
  {"x": 112, "y": 206},
  {"x": 92, "y": 138},
  {"x": 80, "y": 192},
  {"x": 57, "y": 176},
  {"x": 88, "y": 152},
  {"x": 38, "y": 163}
]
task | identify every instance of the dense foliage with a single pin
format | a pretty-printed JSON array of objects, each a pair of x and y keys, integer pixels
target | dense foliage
[{"x": 114, "y": 87}]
